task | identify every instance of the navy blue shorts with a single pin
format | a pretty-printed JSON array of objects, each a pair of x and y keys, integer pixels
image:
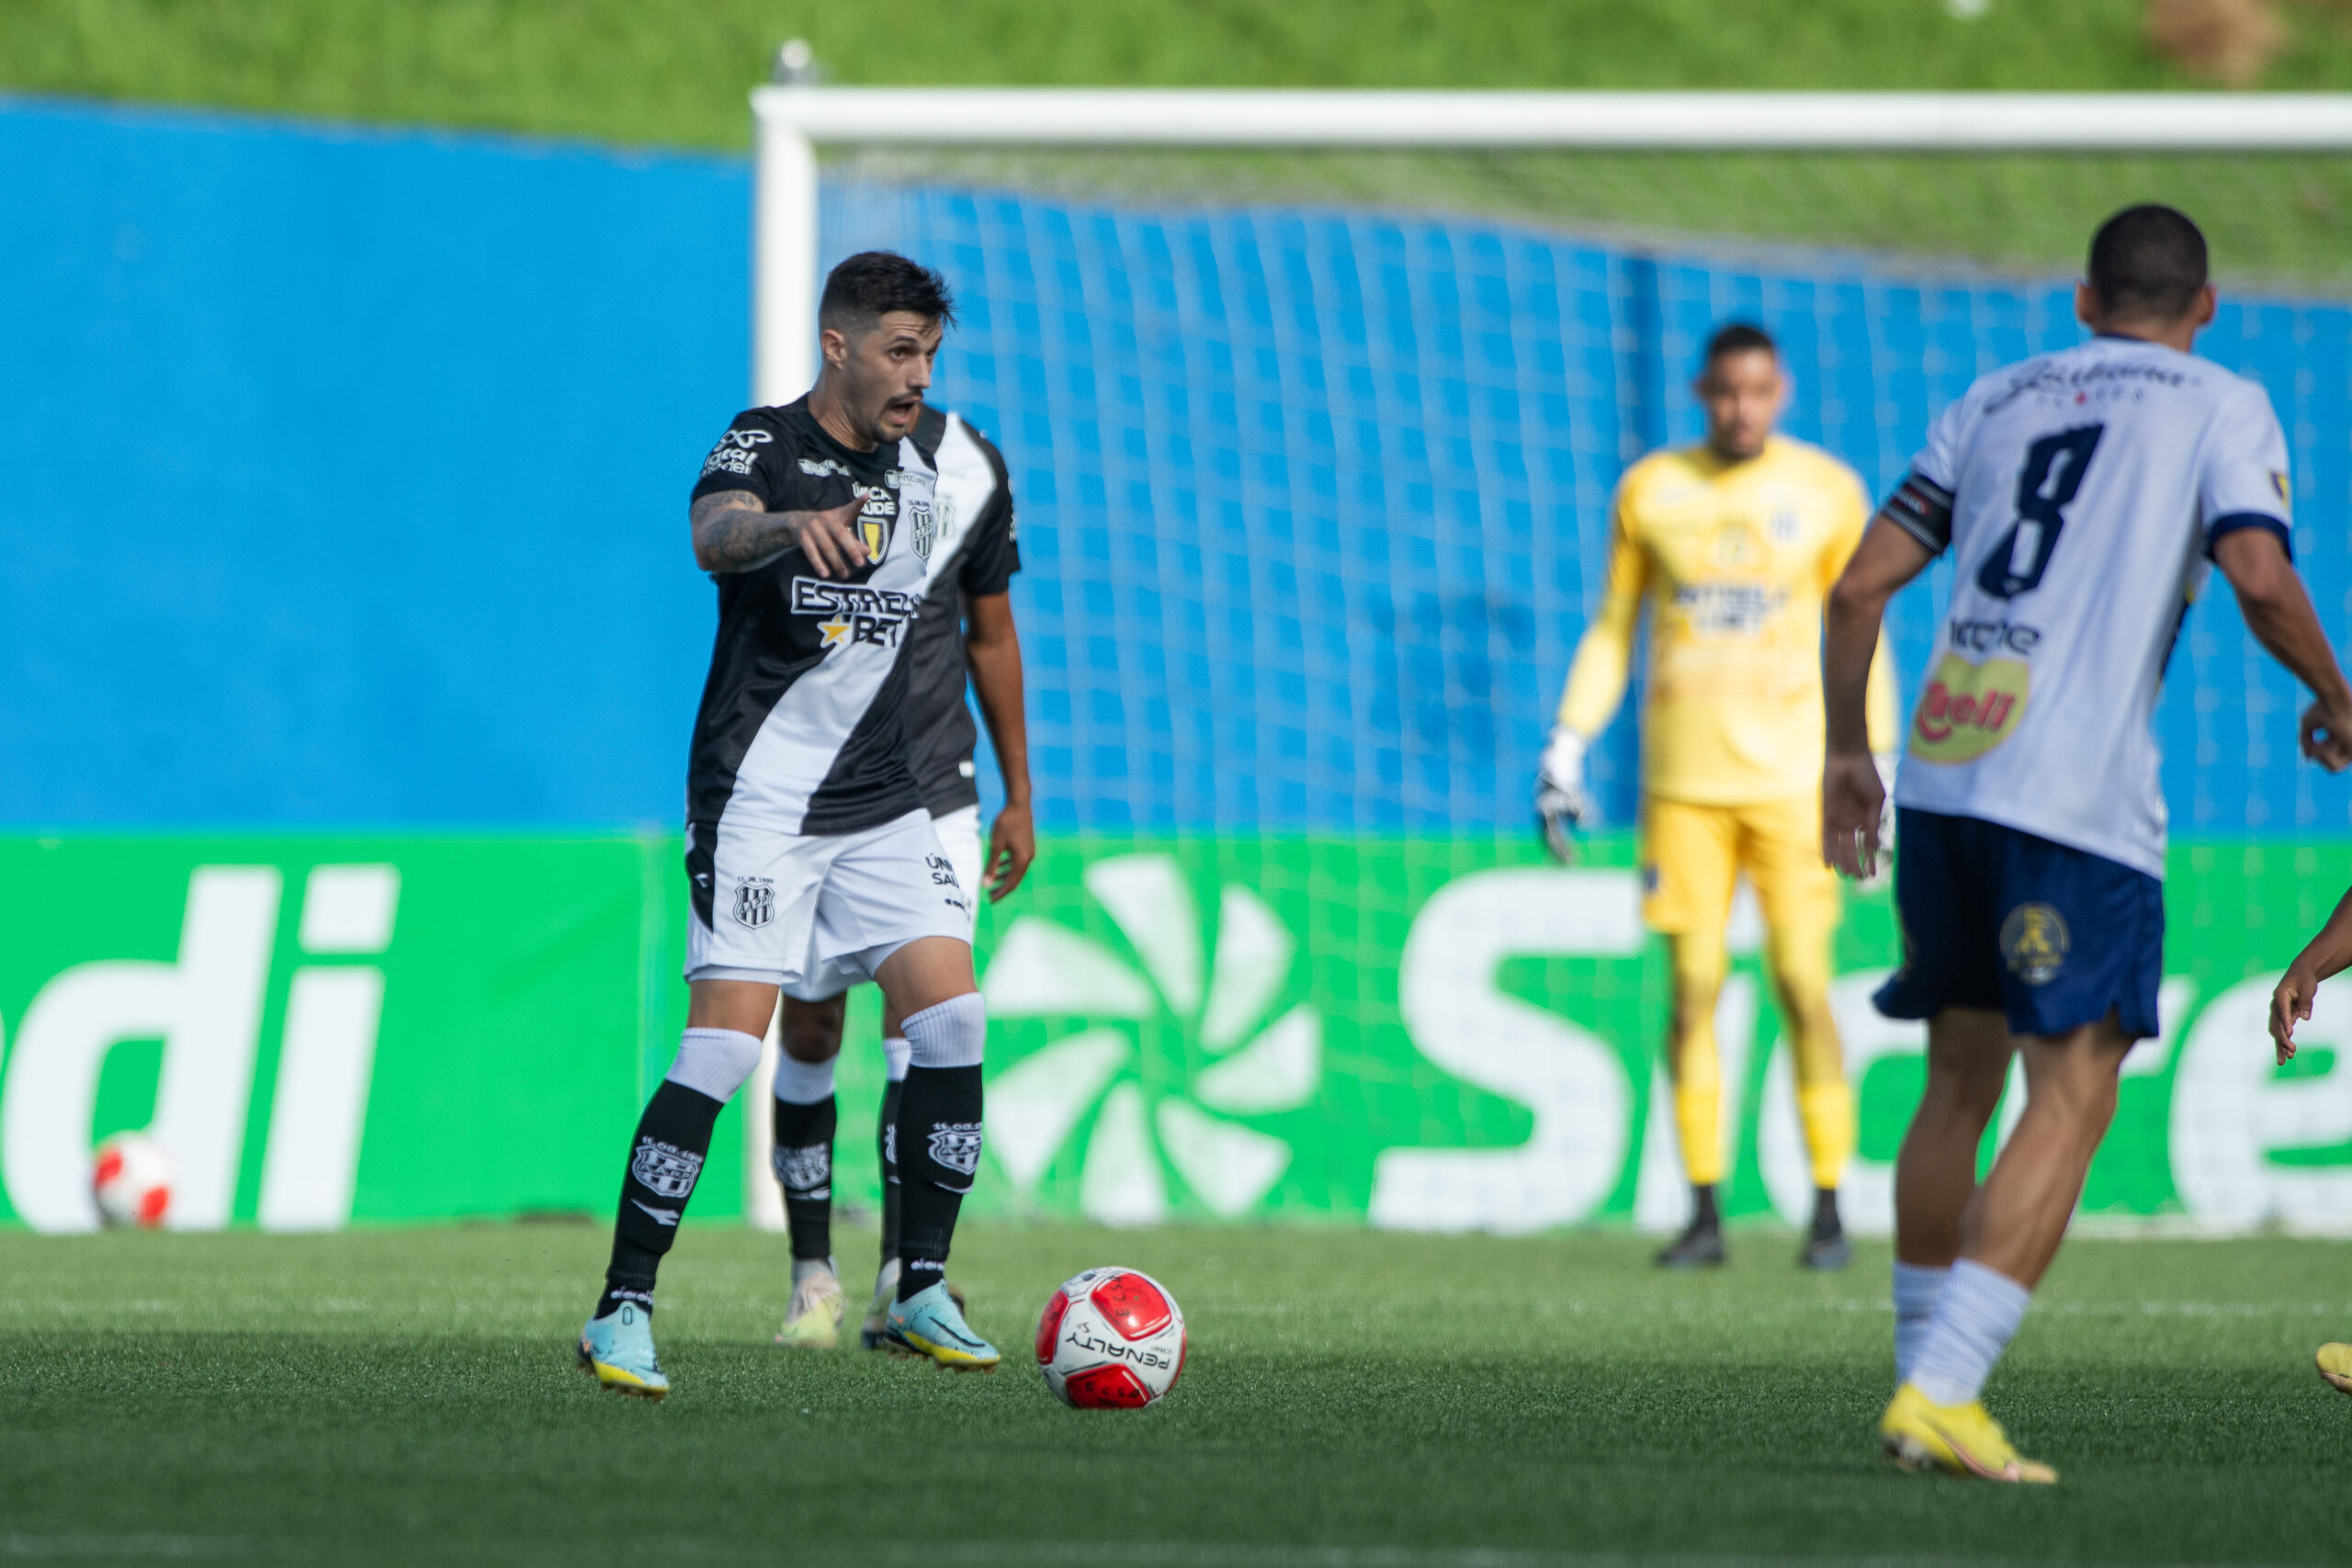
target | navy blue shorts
[{"x": 2052, "y": 936}]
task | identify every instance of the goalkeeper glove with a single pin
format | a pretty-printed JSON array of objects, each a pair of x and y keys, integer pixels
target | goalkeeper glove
[{"x": 1560, "y": 797}]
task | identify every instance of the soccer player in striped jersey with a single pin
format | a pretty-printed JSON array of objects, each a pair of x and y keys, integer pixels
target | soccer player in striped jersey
[
  {"x": 1731, "y": 544},
  {"x": 2083, "y": 494},
  {"x": 807, "y": 848}
]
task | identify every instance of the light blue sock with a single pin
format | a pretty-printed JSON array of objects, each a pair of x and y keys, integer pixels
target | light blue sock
[
  {"x": 1974, "y": 1320},
  {"x": 1917, "y": 1287}
]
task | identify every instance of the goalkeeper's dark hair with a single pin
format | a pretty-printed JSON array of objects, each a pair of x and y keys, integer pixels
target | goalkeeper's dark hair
[
  {"x": 872, "y": 284},
  {"x": 2147, "y": 264},
  {"x": 1738, "y": 337}
]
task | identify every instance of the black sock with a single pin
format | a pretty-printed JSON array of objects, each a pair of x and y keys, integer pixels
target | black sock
[
  {"x": 665, "y": 1160},
  {"x": 803, "y": 1161},
  {"x": 1826, "y": 1222},
  {"x": 886, "y": 1144},
  {"x": 1702, "y": 1209},
  {"x": 939, "y": 1150}
]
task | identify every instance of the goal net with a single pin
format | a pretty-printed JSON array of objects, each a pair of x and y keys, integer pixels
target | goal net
[{"x": 1313, "y": 450}]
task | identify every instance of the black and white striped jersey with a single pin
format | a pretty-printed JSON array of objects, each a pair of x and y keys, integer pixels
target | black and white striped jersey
[
  {"x": 803, "y": 721},
  {"x": 975, "y": 555}
]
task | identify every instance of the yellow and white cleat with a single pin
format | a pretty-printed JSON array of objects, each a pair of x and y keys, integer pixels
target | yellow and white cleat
[
  {"x": 813, "y": 1319},
  {"x": 1964, "y": 1440},
  {"x": 2335, "y": 1366},
  {"x": 617, "y": 1351}
]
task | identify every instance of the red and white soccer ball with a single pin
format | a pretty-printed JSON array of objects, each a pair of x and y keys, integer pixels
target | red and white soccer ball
[
  {"x": 1110, "y": 1339},
  {"x": 132, "y": 1181}
]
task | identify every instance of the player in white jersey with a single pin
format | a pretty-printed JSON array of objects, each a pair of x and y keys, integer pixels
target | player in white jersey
[{"x": 2082, "y": 494}]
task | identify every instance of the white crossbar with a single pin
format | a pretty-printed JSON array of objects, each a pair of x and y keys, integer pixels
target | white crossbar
[{"x": 792, "y": 120}]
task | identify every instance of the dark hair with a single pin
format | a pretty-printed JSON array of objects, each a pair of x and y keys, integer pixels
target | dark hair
[
  {"x": 2147, "y": 264},
  {"x": 1738, "y": 337},
  {"x": 871, "y": 284}
]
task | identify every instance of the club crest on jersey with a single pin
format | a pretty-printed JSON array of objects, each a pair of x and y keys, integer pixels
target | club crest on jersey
[
  {"x": 665, "y": 1169},
  {"x": 1784, "y": 528},
  {"x": 2035, "y": 941},
  {"x": 957, "y": 1145},
  {"x": 922, "y": 528},
  {"x": 1968, "y": 709},
  {"x": 755, "y": 902}
]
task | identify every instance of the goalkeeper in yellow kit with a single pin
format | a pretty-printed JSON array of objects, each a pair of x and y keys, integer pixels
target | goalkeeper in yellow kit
[{"x": 1733, "y": 544}]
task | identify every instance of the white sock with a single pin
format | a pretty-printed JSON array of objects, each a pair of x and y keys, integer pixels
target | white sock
[
  {"x": 1916, "y": 1289},
  {"x": 803, "y": 1083},
  {"x": 886, "y": 1279},
  {"x": 803, "y": 1269},
  {"x": 1974, "y": 1320},
  {"x": 895, "y": 1055}
]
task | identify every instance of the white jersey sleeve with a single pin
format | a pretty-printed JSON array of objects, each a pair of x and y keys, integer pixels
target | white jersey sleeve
[
  {"x": 2080, "y": 494},
  {"x": 2243, "y": 477}
]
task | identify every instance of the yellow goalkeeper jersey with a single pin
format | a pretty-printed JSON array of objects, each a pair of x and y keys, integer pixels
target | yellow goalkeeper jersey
[{"x": 1735, "y": 560}]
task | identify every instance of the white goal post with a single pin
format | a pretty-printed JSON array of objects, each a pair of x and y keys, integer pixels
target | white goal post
[{"x": 791, "y": 122}]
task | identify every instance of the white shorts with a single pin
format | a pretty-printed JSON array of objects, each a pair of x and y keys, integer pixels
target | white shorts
[
  {"x": 817, "y": 913},
  {"x": 960, "y": 840}
]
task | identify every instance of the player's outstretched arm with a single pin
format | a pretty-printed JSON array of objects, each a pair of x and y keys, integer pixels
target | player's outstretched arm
[
  {"x": 2279, "y": 615},
  {"x": 733, "y": 531},
  {"x": 1853, "y": 798},
  {"x": 2327, "y": 954},
  {"x": 992, "y": 648}
]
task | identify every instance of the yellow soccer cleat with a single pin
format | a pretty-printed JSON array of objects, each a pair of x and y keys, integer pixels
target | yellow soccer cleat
[
  {"x": 813, "y": 1319},
  {"x": 1920, "y": 1434},
  {"x": 2335, "y": 1366}
]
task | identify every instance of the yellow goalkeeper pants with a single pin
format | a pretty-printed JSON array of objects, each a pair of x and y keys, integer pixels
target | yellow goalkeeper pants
[{"x": 1691, "y": 859}]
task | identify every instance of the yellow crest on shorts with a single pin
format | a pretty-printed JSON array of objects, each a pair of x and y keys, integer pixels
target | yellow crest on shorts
[{"x": 2035, "y": 941}]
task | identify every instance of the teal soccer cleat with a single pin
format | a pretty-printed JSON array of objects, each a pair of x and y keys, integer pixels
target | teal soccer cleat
[
  {"x": 931, "y": 1324},
  {"x": 617, "y": 1351}
]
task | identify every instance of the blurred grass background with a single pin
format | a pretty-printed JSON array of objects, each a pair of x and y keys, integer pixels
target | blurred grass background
[{"x": 673, "y": 74}]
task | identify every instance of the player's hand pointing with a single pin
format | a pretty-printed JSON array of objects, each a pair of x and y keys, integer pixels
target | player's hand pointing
[
  {"x": 2291, "y": 1004},
  {"x": 1853, "y": 805},
  {"x": 829, "y": 538}
]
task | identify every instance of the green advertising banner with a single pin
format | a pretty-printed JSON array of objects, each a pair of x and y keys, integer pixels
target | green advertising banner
[{"x": 1438, "y": 1034}]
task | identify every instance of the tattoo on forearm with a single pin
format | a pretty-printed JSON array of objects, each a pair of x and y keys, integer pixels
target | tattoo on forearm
[{"x": 732, "y": 530}]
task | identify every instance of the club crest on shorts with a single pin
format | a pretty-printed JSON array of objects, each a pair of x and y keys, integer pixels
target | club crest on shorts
[
  {"x": 2035, "y": 941},
  {"x": 755, "y": 902},
  {"x": 807, "y": 1171},
  {"x": 957, "y": 1145},
  {"x": 668, "y": 1170}
]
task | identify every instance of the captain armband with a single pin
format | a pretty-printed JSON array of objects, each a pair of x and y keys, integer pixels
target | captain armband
[{"x": 1921, "y": 508}]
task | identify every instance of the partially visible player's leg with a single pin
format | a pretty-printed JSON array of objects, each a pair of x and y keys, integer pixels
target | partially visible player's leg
[
  {"x": 805, "y": 1116},
  {"x": 895, "y": 1052},
  {"x": 1781, "y": 849},
  {"x": 1689, "y": 866},
  {"x": 1935, "y": 1171},
  {"x": 894, "y": 910},
  {"x": 958, "y": 833}
]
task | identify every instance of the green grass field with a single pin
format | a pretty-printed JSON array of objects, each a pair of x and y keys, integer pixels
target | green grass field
[
  {"x": 1352, "y": 1400},
  {"x": 675, "y": 73}
]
